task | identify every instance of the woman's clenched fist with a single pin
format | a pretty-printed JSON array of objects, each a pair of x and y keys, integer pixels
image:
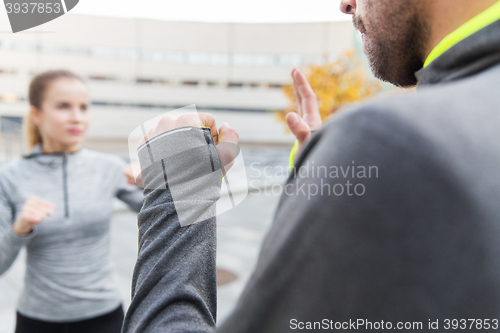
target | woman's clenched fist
[{"x": 33, "y": 212}]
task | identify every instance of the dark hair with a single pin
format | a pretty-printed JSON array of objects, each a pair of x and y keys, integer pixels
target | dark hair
[{"x": 36, "y": 94}]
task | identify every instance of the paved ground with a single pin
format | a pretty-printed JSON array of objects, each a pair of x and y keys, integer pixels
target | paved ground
[{"x": 240, "y": 233}]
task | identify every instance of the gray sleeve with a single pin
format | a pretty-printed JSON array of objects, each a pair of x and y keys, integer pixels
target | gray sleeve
[
  {"x": 409, "y": 246},
  {"x": 174, "y": 281},
  {"x": 128, "y": 193},
  {"x": 10, "y": 242},
  {"x": 131, "y": 195}
]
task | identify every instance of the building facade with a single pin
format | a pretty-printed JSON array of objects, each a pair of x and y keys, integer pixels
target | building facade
[{"x": 139, "y": 68}]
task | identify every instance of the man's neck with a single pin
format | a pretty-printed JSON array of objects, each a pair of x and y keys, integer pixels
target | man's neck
[{"x": 447, "y": 16}]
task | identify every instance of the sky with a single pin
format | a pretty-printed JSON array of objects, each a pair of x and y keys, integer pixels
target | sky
[{"x": 217, "y": 10}]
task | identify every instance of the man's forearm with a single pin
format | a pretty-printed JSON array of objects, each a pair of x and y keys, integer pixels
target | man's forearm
[{"x": 174, "y": 282}]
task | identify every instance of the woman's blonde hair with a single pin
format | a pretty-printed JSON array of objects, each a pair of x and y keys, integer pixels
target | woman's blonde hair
[{"x": 36, "y": 94}]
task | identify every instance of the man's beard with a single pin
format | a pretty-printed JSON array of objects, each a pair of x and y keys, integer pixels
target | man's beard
[{"x": 395, "y": 45}]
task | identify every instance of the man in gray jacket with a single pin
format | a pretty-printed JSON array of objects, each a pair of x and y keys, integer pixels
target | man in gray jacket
[{"x": 406, "y": 237}]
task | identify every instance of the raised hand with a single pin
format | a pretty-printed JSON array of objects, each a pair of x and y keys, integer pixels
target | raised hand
[{"x": 307, "y": 117}]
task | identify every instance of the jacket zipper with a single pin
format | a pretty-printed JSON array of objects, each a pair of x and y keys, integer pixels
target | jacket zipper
[{"x": 65, "y": 185}]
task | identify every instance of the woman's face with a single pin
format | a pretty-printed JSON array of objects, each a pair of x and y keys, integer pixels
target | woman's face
[{"x": 63, "y": 118}]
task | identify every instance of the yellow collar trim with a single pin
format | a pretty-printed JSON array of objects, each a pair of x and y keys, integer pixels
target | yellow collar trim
[{"x": 470, "y": 27}]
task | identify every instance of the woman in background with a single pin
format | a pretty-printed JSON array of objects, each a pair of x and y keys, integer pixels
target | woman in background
[{"x": 57, "y": 202}]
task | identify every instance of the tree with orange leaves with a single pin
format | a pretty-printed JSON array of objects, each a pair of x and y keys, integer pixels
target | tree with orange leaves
[{"x": 335, "y": 84}]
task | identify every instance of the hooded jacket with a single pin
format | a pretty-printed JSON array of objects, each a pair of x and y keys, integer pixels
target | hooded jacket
[{"x": 69, "y": 275}]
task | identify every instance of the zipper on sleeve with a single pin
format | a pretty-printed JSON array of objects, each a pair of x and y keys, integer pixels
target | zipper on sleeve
[{"x": 65, "y": 184}]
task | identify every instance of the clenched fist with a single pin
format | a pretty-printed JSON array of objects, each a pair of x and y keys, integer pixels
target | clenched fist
[
  {"x": 33, "y": 212},
  {"x": 225, "y": 138}
]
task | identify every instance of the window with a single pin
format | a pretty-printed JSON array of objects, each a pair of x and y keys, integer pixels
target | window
[
  {"x": 141, "y": 80},
  {"x": 102, "y": 78},
  {"x": 7, "y": 71},
  {"x": 275, "y": 85},
  {"x": 10, "y": 98},
  {"x": 174, "y": 57},
  {"x": 235, "y": 85},
  {"x": 190, "y": 83}
]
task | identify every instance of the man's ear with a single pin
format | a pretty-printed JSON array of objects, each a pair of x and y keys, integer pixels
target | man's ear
[{"x": 35, "y": 115}]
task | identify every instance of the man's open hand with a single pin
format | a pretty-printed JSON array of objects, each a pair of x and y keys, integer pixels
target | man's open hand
[{"x": 307, "y": 118}]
